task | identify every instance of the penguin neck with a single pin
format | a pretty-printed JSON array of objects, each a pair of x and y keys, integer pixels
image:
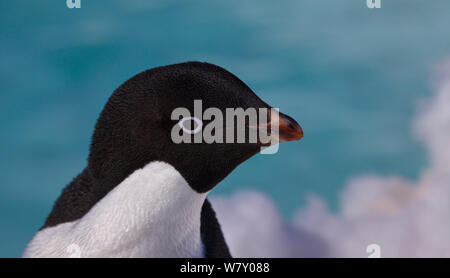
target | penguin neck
[
  {"x": 152, "y": 213},
  {"x": 155, "y": 205},
  {"x": 156, "y": 193}
]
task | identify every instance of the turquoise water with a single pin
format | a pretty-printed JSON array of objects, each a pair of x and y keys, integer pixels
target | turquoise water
[{"x": 351, "y": 76}]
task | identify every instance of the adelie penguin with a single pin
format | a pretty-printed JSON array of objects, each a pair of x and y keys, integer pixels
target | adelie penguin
[{"x": 141, "y": 194}]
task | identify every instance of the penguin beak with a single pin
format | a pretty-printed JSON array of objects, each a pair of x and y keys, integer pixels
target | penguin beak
[{"x": 288, "y": 128}]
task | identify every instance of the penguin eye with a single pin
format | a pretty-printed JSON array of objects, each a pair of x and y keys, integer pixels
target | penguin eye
[{"x": 194, "y": 125}]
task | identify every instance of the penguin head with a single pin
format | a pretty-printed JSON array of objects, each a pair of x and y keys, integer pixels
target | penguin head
[{"x": 136, "y": 125}]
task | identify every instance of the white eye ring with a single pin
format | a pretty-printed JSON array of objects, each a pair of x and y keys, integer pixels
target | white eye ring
[{"x": 198, "y": 121}]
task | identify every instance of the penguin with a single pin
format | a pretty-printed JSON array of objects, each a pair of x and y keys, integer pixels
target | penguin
[{"x": 141, "y": 194}]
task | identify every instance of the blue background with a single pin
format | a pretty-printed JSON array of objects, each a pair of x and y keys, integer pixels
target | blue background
[{"x": 350, "y": 75}]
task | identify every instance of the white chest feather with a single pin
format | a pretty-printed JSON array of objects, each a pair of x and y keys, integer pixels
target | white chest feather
[{"x": 152, "y": 213}]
